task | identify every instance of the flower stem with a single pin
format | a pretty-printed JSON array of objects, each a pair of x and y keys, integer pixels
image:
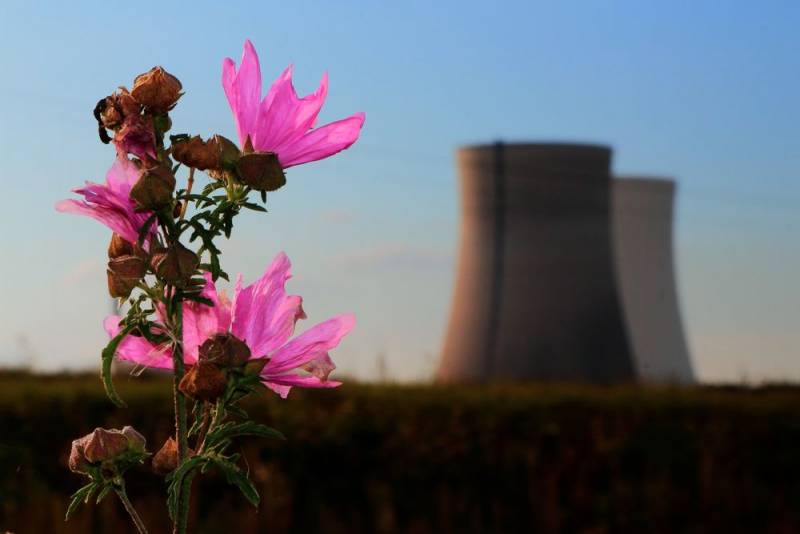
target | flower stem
[
  {"x": 177, "y": 362},
  {"x": 181, "y": 430},
  {"x": 182, "y": 517},
  {"x": 189, "y": 184},
  {"x": 123, "y": 496}
]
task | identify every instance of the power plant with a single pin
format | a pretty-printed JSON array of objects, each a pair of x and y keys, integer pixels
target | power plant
[{"x": 563, "y": 272}]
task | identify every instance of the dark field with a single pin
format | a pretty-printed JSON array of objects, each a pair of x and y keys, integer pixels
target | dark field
[{"x": 421, "y": 459}]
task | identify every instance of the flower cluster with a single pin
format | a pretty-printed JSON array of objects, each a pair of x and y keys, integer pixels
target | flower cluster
[{"x": 163, "y": 266}]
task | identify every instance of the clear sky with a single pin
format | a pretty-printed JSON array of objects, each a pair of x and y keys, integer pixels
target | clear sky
[{"x": 706, "y": 92}]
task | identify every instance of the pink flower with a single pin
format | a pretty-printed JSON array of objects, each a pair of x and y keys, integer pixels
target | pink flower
[
  {"x": 262, "y": 315},
  {"x": 282, "y": 122},
  {"x": 110, "y": 203}
]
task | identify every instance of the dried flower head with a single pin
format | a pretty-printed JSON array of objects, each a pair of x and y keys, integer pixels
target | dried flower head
[
  {"x": 136, "y": 136},
  {"x": 214, "y": 154},
  {"x": 224, "y": 350},
  {"x": 261, "y": 170},
  {"x": 175, "y": 264},
  {"x": 204, "y": 382},
  {"x": 153, "y": 190},
  {"x": 124, "y": 272},
  {"x": 157, "y": 90},
  {"x": 166, "y": 459},
  {"x": 119, "y": 246}
]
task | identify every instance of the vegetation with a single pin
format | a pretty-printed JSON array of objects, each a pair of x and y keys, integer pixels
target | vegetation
[{"x": 423, "y": 459}]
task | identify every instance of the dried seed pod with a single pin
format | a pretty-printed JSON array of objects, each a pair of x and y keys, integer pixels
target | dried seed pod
[
  {"x": 261, "y": 170},
  {"x": 124, "y": 272},
  {"x": 153, "y": 190},
  {"x": 224, "y": 350},
  {"x": 194, "y": 152},
  {"x": 214, "y": 154},
  {"x": 175, "y": 265},
  {"x": 157, "y": 90},
  {"x": 204, "y": 382},
  {"x": 166, "y": 459},
  {"x": 119, "y": 246}
]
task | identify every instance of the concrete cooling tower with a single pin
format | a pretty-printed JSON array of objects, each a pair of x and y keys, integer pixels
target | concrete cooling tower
[
  {"x": 537, "y": 293},
  {"x": 642, "y": 221}
]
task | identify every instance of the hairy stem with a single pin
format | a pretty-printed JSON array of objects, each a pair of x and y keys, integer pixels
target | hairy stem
[
  {"x": 181, "y": 427},
  {"x": 177, "y": 361},
  {"x": 182, "y": 515},
  {"x": 189, "y": 184},
  {"x": 123, "y": 496}
]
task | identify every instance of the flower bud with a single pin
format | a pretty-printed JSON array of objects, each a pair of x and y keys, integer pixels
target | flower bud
[
  {"x": 166, "y": 459},
  {"x": 224, "y": 350},
  {"x": 204, "y": 382},
  {"x": 102, "y": 445},
  {"x": 119, "y": 246},
  {"x": 153, "y": 190},
  {"x": 175, "y": 265},
  {"x": 157, "y": 90},
  {"x": 77, "y": 460},
  {"x": 261, "y": 170},
  {"x": 105, "y": 449},
  {"x": 136, "y": 441}
]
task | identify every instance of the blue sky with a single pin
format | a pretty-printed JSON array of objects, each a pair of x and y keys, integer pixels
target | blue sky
[{"x": 706, "y": 92}]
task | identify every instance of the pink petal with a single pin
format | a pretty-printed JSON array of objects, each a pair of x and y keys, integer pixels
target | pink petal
[
  {"x": 309, "y": 345},
  {"x": 321, "y": 366},
  {"x": 121, "y": 177},
  {"x": 137, "y": 349},
  {"x": 283, "y": 117},
  {"x": 110, "y": 202},
  {"x": 243, "y": 90},
  {"x": 282, "y": 384},
  {"x": 322, "y": 142},
  {"x": 201, "y": 321},
  {"x": 263, "y": 314},
  {"x": 115, "y": 220}
]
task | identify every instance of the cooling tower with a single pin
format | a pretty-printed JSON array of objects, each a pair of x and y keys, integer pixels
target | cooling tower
[
  {"x": 535, "y": 294},
  {"x": 642, "y": 217}
]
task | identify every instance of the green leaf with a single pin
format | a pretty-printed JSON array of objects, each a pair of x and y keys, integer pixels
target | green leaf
[
  {"x": 247, "y": 428},
  {"x": 254, "y": 207},
  {"x": 175, "y": 480},
  {"x": 236, "y": 411},
  {"x": 103, "y": 492},
  {"x": 82, "y": 495},
  {"x": 237, "y": 477},
  {"x": 108, "y": 357}
]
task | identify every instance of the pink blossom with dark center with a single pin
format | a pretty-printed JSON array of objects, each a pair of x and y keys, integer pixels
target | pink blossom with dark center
[
  {"x": 262, "y": 315},
  {"x": 282, "y": 122}
]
